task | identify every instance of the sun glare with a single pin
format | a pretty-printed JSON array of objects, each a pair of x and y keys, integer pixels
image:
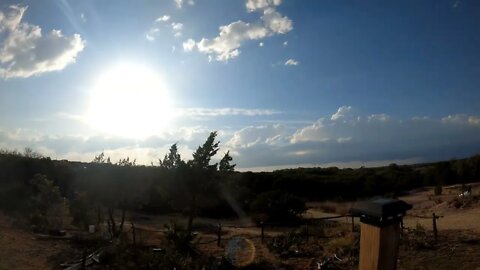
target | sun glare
[{"x": 130, "y": 100}]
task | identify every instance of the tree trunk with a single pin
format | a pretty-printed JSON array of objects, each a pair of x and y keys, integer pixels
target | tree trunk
[
  {"x": 124, "y": 210},
  {"x": 191, "y": 215},
  {"x": 113, "y": 226}
]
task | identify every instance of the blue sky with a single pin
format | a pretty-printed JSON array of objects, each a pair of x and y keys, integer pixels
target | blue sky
[{"x": 286, "y": 83}]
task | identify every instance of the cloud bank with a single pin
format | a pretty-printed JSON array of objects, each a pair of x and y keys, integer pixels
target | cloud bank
[{"x": 344, "y": 137}]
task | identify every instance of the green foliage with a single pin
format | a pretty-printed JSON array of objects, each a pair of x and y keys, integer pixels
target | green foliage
[
  {"x": 224, "y": 165},
  {"x": 172, "y": 160},
  {"x": 284, "y": 242},
  {"x": 204, "y": 153},
  {"x": 82, "y": 210},
  {"x": 49, "y": 208},
  {"x": 278, "y": 206},
  {"x": 179, "y": 237}
]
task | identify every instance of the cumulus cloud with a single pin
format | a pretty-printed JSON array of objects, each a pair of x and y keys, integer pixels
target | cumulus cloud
[
  {"x": 231, "y": 37},
  {"x": 350, "y": 136},
  {"x": 189, "y": 45},
  {"x": 25, "y": 51},
  {"x": 291, "y": 62},
  {"x": 253, "y": 5},
  {"x": 347, "y": 136}
]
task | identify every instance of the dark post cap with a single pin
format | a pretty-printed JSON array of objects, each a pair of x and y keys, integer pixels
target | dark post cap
[{"x": 380, "y": 211}]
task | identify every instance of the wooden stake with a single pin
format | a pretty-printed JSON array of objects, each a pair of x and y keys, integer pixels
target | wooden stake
[
  {"x": 263, "y": 230},
  {"x": 219, "y": 234}
]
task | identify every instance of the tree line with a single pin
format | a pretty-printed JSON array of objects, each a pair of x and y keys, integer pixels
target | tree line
[{"x": 102, "y": 190}]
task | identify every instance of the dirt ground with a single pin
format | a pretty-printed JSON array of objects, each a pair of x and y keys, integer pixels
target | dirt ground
[
  {"x": 457, "y": 247},
  {"x": 19, "y": 249}
]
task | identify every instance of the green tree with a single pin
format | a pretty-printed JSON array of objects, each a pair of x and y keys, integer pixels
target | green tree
[
  {"x": 49, "y": 208},
  {"x": 172, "y": 160},
  {"x": 224, "y": 165},
  {"x": 196, "y": 180}
]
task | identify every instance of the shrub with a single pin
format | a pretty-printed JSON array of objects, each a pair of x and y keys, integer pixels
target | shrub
[
  {"x": 278, "y": 206},
  {"x": 438, "y": 190}
]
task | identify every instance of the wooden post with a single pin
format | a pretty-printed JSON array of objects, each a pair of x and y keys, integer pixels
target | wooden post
[
  {"x": 434, "y": 222},
  {"x": 379, "y": 232},
  {"x": 84, "y": 259},
  {"x": 134, "y": 237},
  {"x": 263, "y": 230},
  {"x": 219, "y": 234},
  {"x": 306, "y": 231},
  {"x": 353, "y": 225}
]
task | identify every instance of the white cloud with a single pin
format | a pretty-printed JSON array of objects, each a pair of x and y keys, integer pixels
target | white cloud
[
  {"x": 291, "y": 62},
  {"x": 277, "y": 23},
  {"x": 253, "y": 5},
  {"x": 83, "y": 17},
  {"x": 25, "y": 51},
  {"x": 250, "y": 136},
  {"x": 177, "y": 29},
  {"x": 189, "y": 45},
  {"x": 348, "y": 138},
  {"x": 152, "y": 34},
  {"x": 179, "y": 3},
  {"x": 163, "y": 18},
  {"x": 226, "y": 45},
  {"x": 231, "y": 37},
  {"x": 342, "y": 112},
  {"x": 260, "y": 44},
  {"x": 285, "y": 43},
  {"x": 160, "y": 22},
  {"x": 226, "y": 112}
]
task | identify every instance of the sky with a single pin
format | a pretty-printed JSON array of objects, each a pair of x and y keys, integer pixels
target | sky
[{"x": 285, "y": 83}]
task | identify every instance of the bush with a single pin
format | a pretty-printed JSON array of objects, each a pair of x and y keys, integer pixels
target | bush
[
  {"x": 278, "y": 206},
  {"x": 438, "y": 190}
]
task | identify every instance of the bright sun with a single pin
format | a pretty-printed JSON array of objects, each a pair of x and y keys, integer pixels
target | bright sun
[{"x": 130, "y": 100}]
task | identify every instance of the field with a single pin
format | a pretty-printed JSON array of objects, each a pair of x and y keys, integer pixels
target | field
[{"x": 329, "y": 242}]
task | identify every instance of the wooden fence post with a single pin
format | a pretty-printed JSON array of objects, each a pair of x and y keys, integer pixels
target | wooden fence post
[
  {"x": 353, "y": 225},
  {"x": 306, "y": 231},
  {"x": 263, "y": 230},
  {"x": 379, "y": 232},
  {"x": 434, "y": 222},
  {"x": 134, "y": 235},
  {"x": 219, "y": 234},
  {"x": 84, "y": 259}
]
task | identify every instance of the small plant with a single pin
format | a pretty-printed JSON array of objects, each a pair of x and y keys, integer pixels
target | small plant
[
  {"x": 179, "y": 237},
  {"x": 419, "y": 227}
]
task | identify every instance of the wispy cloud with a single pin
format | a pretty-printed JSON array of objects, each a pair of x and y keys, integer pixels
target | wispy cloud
[
  {"x": 177, "y": 29},
  {"x": 163, "y": 18},
  {"x": 291, "y": 62},
  {"x": 226, "y": 112},
  {"x": 179, "y": 3}
]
